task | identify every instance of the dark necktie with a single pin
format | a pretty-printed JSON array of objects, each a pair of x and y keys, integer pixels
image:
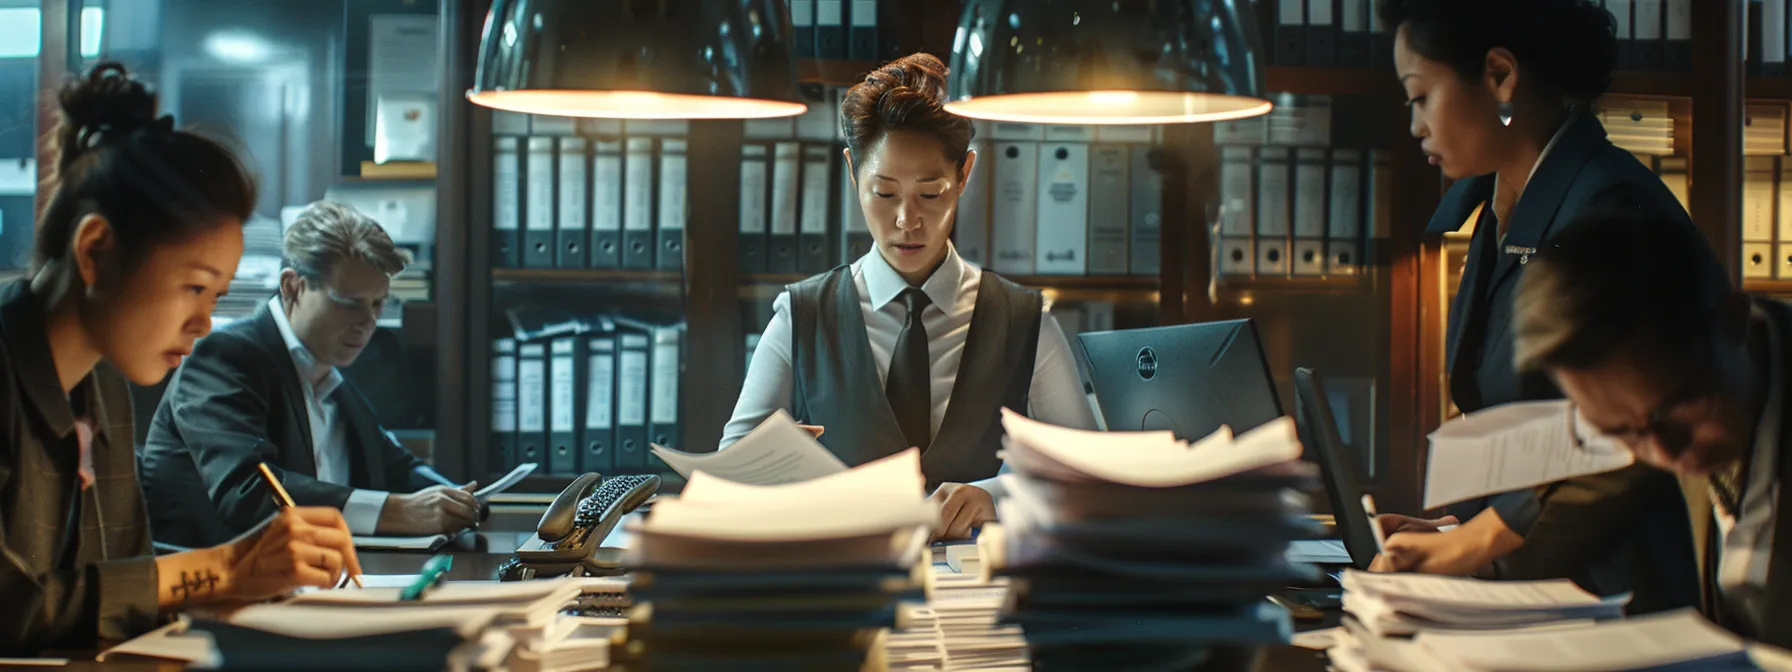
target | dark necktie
[{"x": 910, "y": 384}]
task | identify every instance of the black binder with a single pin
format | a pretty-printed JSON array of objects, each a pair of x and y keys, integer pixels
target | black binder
[
  {"x": 606, "y": 203},
  {"x": 575, "y": 211},
  {"x": 665, "y": 378},
  {"x": 507, "y": 200},
  {"x": 802, "y": 25},
  {"x": 531, "y": 402},
  {"x": 674, "y": 208},
  {"x": 637, "y": 204},
  {"x": 814, "y": 253},
  {"x": 830, "y": 29},
  {"x": 633, "y": 373},
  {"x": 755, "y": 187},
  {"x": 503, "y": 456},
  {"x": 597, "y": 426},
  {"x": 539, "y": 206},
  {"x": 1322, "y": 33},
  {"x": 1353, "y": 33},
  {"x": 1290, "y": 31},
  {"x": 563, "y": 409},
  {"x": 861, "y": 15}
]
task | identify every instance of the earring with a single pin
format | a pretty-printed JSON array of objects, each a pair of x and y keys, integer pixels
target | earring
[{"x": 1506, "y": 113}]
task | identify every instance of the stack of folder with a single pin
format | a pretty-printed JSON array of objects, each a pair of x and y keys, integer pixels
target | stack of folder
[
  {"x": 1136, "y": 549},
  {"x": 1404, "y": 604},
  {"x": 798, "y": 576}
]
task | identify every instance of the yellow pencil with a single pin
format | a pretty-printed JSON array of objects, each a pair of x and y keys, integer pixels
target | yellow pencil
[{"x": 285, "y": 501}]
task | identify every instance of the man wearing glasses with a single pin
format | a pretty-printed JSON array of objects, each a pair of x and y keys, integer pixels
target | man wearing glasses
[
  {"x": 1646, "y": 336},
  {"x": 268, "y": 389}
]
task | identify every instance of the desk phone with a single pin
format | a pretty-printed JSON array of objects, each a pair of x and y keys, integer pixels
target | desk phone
[{"x": 568, "y": 539}]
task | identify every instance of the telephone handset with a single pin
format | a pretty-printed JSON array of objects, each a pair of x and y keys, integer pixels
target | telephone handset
[{"x": 569, "y": 537}]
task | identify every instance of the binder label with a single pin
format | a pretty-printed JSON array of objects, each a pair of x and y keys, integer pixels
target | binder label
[
  {"x": 600, "y": 390},
  {"x": 531, "y": 378},
  {"x": 631, "y": 402}
]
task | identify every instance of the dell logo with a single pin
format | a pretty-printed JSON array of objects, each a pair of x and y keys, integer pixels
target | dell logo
[{"x": 1147, "y": 363}]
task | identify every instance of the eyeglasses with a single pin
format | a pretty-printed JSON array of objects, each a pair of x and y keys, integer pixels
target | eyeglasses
[{"x": 1673, "y": 434}]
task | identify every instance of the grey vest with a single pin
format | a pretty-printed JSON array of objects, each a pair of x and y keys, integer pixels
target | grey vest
[{"x": 836, "y": 384}]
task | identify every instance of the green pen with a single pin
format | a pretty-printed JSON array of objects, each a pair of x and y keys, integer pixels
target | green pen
[{"x": 432, "y": 574}]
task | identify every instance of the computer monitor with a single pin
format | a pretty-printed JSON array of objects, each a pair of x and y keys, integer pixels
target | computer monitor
[
  {"x": 1337, "y": 465},
  {"x": 1189, "y": 379}
]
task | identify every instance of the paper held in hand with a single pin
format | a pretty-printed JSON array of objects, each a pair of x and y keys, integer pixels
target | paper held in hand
[
  {"x": 776, "y": 452},
  {"x": 1513, "y": 447},
  {"x": 875, "y": 498}
]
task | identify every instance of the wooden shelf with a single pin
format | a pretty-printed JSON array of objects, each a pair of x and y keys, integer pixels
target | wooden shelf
[
  {"x": 1329, "y": 81},
  {"x": 1776, "y": 288},
  {"x": 1762, "y": 87},
  {"x": 833, "y": 72},
  {"x": 1640, "y": 83},
  {"x": 1066, "y": 288},
  {"x": 1242, "y": 289},
  {"x": 583, "y": 275}
]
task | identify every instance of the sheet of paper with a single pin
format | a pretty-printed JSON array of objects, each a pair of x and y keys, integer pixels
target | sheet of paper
[
  {"x": 169, "y": 642},
  {"x": 33, "y": 662},
  {"x": 1317, "y": 640},
  {"x": 451, "y": 592},
  {"x": 1636, "y": 643},
  {"x": 326, "y": 622},
  {"x": 1452, "y": 591},
  {"x": 884, "y": 495},
  {"x": 776, "y": 452},
  {"x": 509, "y": 480},
  {"x": 1511, "y": 447},
  {"x": 374, "y": 543},
  {"x": 1144, "y": 459}
]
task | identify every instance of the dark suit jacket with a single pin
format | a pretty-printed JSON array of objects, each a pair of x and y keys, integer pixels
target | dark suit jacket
[
  {"x": 76, "y": 566},
  {"x": 1778, "y": 614},
  {"x": 237, "y": 402},
  {"x": 1611, "y": 532}
]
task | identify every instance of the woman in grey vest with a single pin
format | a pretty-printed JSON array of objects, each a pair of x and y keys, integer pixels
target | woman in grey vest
[{"x": 845, "y": 350}]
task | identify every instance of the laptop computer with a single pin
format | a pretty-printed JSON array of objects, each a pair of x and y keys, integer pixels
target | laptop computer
[
  {"x": 1189, "y": 379},
  {"x": 1337, "y": 465}
]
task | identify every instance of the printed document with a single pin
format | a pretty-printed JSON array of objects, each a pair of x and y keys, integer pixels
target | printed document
[
  {"x": 776, "y": 452},
  {"x": 1513, "y": 447}
]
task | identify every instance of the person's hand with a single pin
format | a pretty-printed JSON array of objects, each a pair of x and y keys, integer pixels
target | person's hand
[
  {"x": 300, "y": 546},
  {"x": 1394, "y": 523},
  {"x": 1445, "y": 553},
  {"x": 814, "y": 429},
  {"x": 962, "y": 507},
  {"x": 438, "y": 509}
]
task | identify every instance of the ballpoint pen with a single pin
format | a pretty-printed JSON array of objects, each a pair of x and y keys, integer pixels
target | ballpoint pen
[
  {"x": 285, "y": 501},
  {"x": 432, "y": 574}
]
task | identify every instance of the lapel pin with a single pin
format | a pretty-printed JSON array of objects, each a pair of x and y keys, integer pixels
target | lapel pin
[{"x": 1524, "y": 253}]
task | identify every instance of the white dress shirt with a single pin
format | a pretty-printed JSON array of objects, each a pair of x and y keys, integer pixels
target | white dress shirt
[
  {"x": 1745, "y": 541},
  {"x": 329, "y": 434},
  {"x": 1056, "y": 395}
]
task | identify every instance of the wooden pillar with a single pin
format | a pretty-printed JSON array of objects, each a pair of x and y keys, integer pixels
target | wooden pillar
[{"x": 1716, "y": 166}]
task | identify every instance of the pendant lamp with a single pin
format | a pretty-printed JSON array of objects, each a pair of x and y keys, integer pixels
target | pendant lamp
[
  {"x": 638, "y": 59},
  {"x": 1107, "y": 62}
]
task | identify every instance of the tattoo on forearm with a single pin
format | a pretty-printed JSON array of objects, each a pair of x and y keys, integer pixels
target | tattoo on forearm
[{"x": 195, "y": 585}]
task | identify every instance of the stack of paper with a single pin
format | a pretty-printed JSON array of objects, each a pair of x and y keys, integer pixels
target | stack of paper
[
  {"x": 803, "y": 575},
  {"x": 1140, "y": 545},
  {"x": 1404, "y": 604},
  {"x": 488, "y": 620},
  {"x": 1679, "y": 640},
  {"x": 914, "y": 644},
  {"x": 968, "y": 608}
]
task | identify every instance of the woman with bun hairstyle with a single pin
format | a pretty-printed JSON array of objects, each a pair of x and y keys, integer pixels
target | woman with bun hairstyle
[
  {"x": 911, "y": 345},
  {"x": 1501, "y": 94},
  {"x": 141, "y": 235}
]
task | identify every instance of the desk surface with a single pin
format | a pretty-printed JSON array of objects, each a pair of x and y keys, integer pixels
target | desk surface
[{"x": 477, "y": 559}]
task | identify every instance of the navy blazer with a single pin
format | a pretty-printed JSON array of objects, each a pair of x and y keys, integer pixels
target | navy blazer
[
  {"x": 1626, "y": 530},
  {"x": 237, "y": 402}
]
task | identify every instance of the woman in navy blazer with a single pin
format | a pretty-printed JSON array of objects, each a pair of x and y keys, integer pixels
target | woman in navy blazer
[{"x": 1501, "y": 93}]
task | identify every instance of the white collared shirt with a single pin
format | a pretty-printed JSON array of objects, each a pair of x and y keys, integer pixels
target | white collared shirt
[
  {"x": 1745, "y": 541},
  {"x": 329, "y": 434},
  {"x": 1056, "y": 395}
]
